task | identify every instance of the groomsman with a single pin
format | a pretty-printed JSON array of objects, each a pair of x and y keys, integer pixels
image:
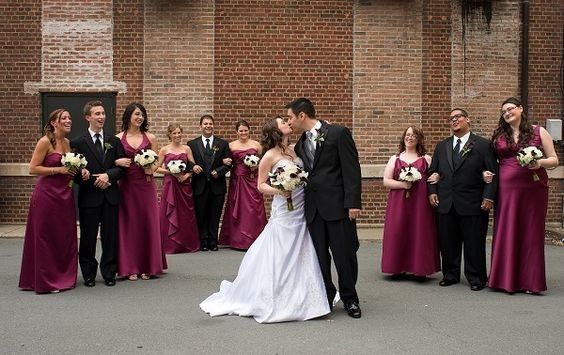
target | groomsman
[
  {"x": 98, "y": 197},
  {"x": 213, "y": 161},
  {"x": 463, "y": 200}
]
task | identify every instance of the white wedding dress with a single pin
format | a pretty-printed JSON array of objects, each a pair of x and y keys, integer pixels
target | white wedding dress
[{"x": 279, "y": 279}]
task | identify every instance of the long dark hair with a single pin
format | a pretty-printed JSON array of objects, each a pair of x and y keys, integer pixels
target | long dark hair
[
  {"x": 49, "y": 130},
  {"x": 504, "y": 129},
  {"x": 420, "y": 147},
  {"x": 127, "y": 117},
  {"x": 271, "y": 135}
]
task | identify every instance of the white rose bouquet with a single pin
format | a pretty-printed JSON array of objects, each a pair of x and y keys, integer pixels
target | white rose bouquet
[
  {"x": 73, "y": 162},
  {"x": 409, "y": 174},
  {"x": 251, "y": 160},
  {"x": 146, "y": 158},
  {"x": 529, "y": 155},
  {"x": 176, "y": 166},
  {"x": 288, "y": 178}
]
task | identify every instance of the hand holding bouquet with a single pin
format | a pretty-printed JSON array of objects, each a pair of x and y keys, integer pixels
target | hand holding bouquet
[
  {"x": 146, "y": 158},
  {"x": 176, "y": 166},
  {"x": 409, "y": 174},
  {"x": 73, "y": 162},
  {"x": 251, "y": 161},
  {"x": 288, "y": 178},
  {"x": 528, "y": 156}
]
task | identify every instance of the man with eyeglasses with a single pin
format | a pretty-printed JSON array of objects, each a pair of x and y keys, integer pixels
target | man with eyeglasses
[{"x": 463, "y": 200}]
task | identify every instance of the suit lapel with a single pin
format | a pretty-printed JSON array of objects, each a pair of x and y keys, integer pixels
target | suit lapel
[
  {"x": 321, "y": 136},
  {"x": 448, "y": 148},
  {"x": 200, "y": 146},
  {"x": 469, "y": 144}
]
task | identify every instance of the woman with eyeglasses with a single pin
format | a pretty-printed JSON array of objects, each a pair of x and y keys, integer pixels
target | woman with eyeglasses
[
  {"x": 517, "y": 263},
  {"x": 410, "y": 245}
]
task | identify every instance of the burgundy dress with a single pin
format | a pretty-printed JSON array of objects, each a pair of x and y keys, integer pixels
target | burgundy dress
[
  {"x": 410, "y": 241},
  {"x": 244, "y": 217},
  {"x": 179, "y": 229},
  {"x": 50, "y": 254},
  {"x": 140, "y": 248},
  {"x": 520, "y": 212}
]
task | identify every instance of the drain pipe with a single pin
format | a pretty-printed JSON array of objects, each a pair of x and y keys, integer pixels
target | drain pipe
[{"x": 525, "y": 55}]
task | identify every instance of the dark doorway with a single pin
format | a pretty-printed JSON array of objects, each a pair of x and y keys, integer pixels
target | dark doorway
[{"x": 74, "y": 103}]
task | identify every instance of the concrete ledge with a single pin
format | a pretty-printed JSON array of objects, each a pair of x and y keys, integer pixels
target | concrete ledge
[{"x": 369, "y": 171}]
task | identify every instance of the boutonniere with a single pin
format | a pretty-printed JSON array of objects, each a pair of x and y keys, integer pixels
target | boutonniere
[
  {"x": 107, "y": 146},
  {"x": 320, "y": 137},
  {"x": 215, "y": 148},
  {"x": 467, "y": 148}
]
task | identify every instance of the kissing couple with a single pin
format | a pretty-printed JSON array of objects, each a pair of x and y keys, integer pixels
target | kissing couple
[{"x": 286, "y": 273}]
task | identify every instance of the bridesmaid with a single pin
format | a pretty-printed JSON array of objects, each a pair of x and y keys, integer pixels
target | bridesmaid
[
  {"x": 50, "y": 257},
  {"x": 244, "y": 217},
  {"x": 179, "y": 228},
  {"x": 410, "y": 239},
  {"x": 140, "y": 249},
  {"x": 518, "y": 248}
]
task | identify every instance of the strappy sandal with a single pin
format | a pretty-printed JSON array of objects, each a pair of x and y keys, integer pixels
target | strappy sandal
[
  {"x": 145, "y": 277},
  {"x": 133, "y": 277}
]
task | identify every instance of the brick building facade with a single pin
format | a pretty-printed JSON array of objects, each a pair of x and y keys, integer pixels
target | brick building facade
[{"x": 376, "y": 66}]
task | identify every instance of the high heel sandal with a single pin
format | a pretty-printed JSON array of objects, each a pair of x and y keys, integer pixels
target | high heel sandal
[
  {"x": 133, "y": 277},
  {"x": 145, "y": 277}
]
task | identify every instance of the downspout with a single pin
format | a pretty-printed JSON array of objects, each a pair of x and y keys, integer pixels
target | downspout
[{"x": 525, "y": 55}]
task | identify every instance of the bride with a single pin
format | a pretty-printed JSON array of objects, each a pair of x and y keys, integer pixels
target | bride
[{"x": 279, "y": 279}]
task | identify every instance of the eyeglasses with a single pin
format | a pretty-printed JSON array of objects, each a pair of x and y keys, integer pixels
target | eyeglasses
[
  {"x": 507, "y": 110},
  {"x": 411, "y": 135},
  {"x": 456, "y": 117}
]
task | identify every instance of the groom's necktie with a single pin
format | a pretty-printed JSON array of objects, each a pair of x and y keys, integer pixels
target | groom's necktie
[
  {"x": 456, "y": 153},
  {"x": 310, "y": 148}
]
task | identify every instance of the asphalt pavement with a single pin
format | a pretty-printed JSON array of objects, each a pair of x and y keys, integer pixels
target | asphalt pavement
[{"x": 161, "y": 316}]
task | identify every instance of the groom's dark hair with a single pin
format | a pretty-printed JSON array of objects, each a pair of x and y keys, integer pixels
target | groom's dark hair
[{"x": 302, "y": 105}]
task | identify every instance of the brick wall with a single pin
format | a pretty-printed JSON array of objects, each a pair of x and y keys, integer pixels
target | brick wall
[
  {"x": 270, "y": 52},
  {"x": 375, "y": 66},
  {"x": 20, "y": 53}
]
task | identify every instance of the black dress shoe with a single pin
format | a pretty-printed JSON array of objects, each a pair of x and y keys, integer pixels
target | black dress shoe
[
  {"x": 446, "y": 282},
  {"x": 353, "y": 310},
  {"x": 204, "y": 248},
  {"x": 110, "y": 282},
  {"x": 89, "y": 282},
  {"x": 214, "y": 248},
  {"x": 477, "y": 287}
]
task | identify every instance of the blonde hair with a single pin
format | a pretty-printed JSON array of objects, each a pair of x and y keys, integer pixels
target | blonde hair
[{"x": 171, "y": 128}]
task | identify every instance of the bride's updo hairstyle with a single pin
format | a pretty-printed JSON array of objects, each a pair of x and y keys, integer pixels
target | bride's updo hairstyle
[{"x": 271, "y": 135}]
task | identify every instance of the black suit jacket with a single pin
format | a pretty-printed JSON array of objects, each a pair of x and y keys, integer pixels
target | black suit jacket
[
  {"x": 335, "y": 182},
  {"x": 89, "y": 195},
  {"x": 221, "y": 150},
  {"x": 463, "y": 187}
]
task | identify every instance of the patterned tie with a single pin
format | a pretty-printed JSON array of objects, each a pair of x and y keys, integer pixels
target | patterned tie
[
  {"x": 98, "y": 145},
  {"x": 456, "y": 152},
  {"x": 310, "y": 147}
]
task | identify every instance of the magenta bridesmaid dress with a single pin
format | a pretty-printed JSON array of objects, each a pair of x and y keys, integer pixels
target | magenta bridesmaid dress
[
  {"x": 519, "y": 223},
  {"x": 410, "y": 243},
  {"x": 140, "y": 247},
  {"x": 50, "y": 254},
  {"x": 179, "y": 229},
  {"x": 244, "y": 217}
]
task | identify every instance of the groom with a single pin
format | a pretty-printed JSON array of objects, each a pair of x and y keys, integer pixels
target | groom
[{"x": 332, "y": 197}]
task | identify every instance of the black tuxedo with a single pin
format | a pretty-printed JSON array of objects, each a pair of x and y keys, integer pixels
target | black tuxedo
[
  {"x": 98, "y": 207},
  {"x": 334, "y": 186},
  {"x": 209, "y": 192},
  {"x": 460, "y": 218}
]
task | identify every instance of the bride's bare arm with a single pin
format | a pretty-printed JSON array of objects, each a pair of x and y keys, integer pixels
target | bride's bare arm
[{"x": 264, "y": 168}]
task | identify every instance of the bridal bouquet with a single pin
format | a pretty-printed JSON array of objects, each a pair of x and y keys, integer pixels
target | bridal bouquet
[
  {"x": 409, "y": 174},
  {"x": 288, "y": 178},
  {"x": 527, "y": 156},
  {"x": 146, "y": 158},
  {"x": 73, "y": 162},
  {"x": 251, "y": 160},
  {"x": 176, "y": 166}
]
